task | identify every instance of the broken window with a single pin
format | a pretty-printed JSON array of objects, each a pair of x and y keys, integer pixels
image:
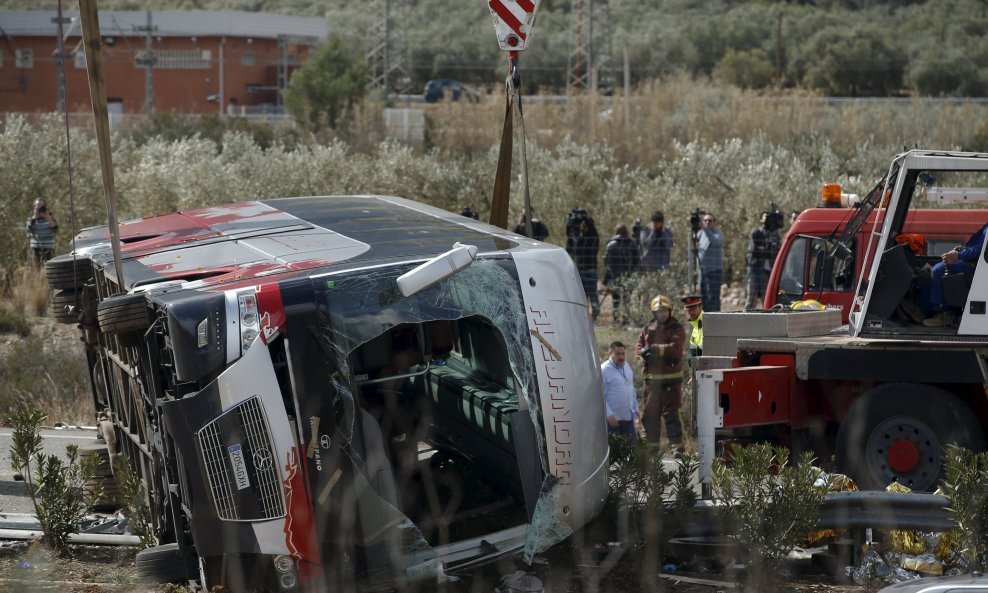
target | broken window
[{"x": 423, "y": 408}]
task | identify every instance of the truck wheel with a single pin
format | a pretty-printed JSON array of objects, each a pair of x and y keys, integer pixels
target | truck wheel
[
  {"x": 898, "y": 431},
  {"x": 123, "y": 314},
  {"x": 162, "y": 564},
  {"x": 65, "y": 306},
  {"x": 64, "y": 271}
]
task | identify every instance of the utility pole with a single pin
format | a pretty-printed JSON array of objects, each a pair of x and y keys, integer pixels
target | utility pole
[
  {"x": 60, "y": 58},
  {"x": 282, "y": 68},
  {"x": 149, "y": 61},
  {"x": 778, "y": 51},
  {"x": 222, "y": 64}
]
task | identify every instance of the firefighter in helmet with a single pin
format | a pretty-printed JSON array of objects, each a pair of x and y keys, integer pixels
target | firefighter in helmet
[{"x": 660, "y": 346}]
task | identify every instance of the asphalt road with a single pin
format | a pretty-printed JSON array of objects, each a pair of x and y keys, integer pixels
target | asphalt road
[{"x": 13, "y": 495}]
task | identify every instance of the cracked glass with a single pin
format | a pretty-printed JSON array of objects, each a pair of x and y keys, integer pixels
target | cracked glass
[{"x": 422, "y": 394}]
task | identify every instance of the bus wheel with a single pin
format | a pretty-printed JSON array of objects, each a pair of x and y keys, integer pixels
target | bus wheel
[
  {"x": 65, "y": 271},
  {"x": 123, "y": 314},
  {"x": 898, "y": 431},
  {"x": 162, "y": 564}
]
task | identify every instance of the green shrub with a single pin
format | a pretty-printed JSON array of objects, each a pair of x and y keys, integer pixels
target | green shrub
[
  {"x": 774, "y": 504},
  {"x": 746, "y": 69},
  {"x": 648, "y": 503},
  {"x": 55, "y": 486},
  {"x": 135, "y": 497},
  {"x": 965, "y": 484},
  {"x": 12, "y": 322}
]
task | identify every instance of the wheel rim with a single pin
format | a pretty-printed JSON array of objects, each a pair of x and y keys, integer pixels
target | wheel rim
[{"x": 905, "y": 449}]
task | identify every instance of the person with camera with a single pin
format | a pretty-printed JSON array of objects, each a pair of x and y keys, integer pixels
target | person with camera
[
  {"x": 540, "y": 232},
  {"x": 41, "y": 229},
  {"x": 621, "y": 258},
  {"x": 656, "y": 243},
  {"x": 660, "y": 346},
  {"x": 710, "y": 257},
  {"x": 583, "y": 244},
  {"x": 763, "y": 246}
]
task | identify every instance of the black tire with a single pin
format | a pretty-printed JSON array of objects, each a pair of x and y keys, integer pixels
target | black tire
[
  {"x": 112, "y": 498},
  {"x": 123, "y": 314},
  {"x": 899, "y": 431},
  {"x": 65, "y": 306},
  {"x": 162, "y": 564},
  {"x": 66, "y": 271}
]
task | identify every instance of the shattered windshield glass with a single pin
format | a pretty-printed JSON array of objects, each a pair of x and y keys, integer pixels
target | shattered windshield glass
[{"x": 420, "y": 418}]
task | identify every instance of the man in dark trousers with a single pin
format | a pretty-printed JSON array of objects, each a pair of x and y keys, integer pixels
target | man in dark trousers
[
  {"x": 763, "y": 246},
  {"x": 583, "y": 244},
  {"x": 656, "y": 242},
  {"x": 621, "y": 257},
  {"x": 661, "y": 347},
  {"x": 41, "y": 229}
]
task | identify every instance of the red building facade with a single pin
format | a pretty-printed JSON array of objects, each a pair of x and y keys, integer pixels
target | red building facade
[{"x": 201, "y": 61}]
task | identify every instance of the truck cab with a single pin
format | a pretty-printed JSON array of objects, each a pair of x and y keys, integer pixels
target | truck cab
[
  {"x": 885, "y": 394},
  {"x": 809, "y": 267}
]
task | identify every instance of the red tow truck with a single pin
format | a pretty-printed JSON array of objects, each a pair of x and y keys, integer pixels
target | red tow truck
[
  {"x": 886, "y": 393},
  {"x": 803, "y": 270}
]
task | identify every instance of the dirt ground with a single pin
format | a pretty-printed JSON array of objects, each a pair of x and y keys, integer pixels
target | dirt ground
[{"x": 108, "y": 569}]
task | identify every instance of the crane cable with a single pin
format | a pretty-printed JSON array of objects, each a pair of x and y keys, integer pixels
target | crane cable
[{"x": 68, "y": 141}]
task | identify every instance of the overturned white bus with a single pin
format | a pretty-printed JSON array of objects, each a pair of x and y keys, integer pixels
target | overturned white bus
[{"x": 339, "y": 392}]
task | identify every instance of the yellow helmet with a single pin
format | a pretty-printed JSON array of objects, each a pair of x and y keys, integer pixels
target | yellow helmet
[
  {"x": 661, "y": 302},
  {"x": 808, "y": 305}
]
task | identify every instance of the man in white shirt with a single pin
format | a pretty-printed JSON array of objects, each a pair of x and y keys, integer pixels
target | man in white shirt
[{"x": 619, "y": 393}]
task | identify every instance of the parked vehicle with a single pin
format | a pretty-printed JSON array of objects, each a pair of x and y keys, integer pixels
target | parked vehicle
[
  {"x": 440, "y": 89},
  {"x": 809, "y": 267},
  {"x": 886, "y": 393},
  {"x": 324, "y": 391},
  {"x": 961, "y": 583}
]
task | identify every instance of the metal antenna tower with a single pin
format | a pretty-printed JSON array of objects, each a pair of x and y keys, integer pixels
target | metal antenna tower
[
  {"x": 578, "y": 69},
  {"x": 384, "y": 58},
  {"x": 604, "y": 60}
]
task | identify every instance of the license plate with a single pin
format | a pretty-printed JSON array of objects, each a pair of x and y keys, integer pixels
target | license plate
[{"x": 239, "y": 467}]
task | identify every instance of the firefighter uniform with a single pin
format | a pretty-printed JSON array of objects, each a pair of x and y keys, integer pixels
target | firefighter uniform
[{"x": 661, "y": 348}]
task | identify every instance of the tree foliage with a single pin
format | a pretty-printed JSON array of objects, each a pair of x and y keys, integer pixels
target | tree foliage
[
  {"x": 329, "y": 83},
  {"x": 869, "y": 46},
  {"x": 748, "y": 69}
]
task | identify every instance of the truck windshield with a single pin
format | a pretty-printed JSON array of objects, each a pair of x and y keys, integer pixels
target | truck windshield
[{"x": 417, "y": 406}]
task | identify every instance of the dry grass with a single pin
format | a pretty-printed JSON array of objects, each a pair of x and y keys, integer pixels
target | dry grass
[
  {"x": 644, "y": 129},
  {"x": 28, "y": 293}
]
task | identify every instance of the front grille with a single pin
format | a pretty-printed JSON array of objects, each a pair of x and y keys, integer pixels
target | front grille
[
  {"x": 218, "y": 472},
  {"x": 258, "y": 496}
]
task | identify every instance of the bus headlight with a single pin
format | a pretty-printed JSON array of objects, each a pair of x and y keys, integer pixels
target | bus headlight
[
  {"x": 287, "y": 576},
  {"x": 249, "y": 323}
]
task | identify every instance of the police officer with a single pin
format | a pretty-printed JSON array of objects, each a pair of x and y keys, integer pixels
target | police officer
[
  {"x": 661, "y": 347},
  {"x": 694, "y": 312}
]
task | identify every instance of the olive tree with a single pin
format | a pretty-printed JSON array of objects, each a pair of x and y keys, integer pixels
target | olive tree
[{"x": 333, "y": 80}]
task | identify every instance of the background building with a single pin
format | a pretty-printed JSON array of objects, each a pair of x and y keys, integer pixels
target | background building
[{"x": 199, "y": 61}]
